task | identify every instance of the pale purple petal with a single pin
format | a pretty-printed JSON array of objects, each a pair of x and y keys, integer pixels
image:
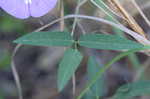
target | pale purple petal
[
  {"x": 16, "y": 8},
  {"x": 41, "y": 7}
]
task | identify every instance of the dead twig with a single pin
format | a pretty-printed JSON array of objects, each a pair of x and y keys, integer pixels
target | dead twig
[{"x": 130, "y": 20}]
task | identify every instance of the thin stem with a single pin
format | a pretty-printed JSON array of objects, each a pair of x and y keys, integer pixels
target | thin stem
[
  {"x": 135, "y": 35},
  {"x": 104, "y": 10},
  {"x": 62, "y": 23},
  {"x": 82, "y": 28},
  {"x": 74, "y": 84},
  {"x": 15, "y": 73},
  {"x": 132, "y": 23},
  {"x": 107, "y": 66},
  {"x": 76, "y": 12},
  {"x": 72, "y": 33},
  {"x": 141, "y": 12}
]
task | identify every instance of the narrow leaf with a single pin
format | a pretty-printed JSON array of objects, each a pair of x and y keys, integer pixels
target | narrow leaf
[
  {"x": 107, "y": 42},
  {"x": 102, "y": 6},
  {"x": 97, "y": 89},
  {"x": 138, "y": 88},
  {"x": 107, "y": 66},
  {"x": 68, "y": 66},
  {"x": 46, "y": 39}
]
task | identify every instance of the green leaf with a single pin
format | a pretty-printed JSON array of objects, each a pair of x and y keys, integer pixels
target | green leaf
[
  {"x": 138, "y": 88},
  {"x": 1, "y": 95},
  {"x": 102, "y": 6},
  {"x": 107, "y": 66},
  {"x": 5, "y": 61},
  {"x": 98, "y": 88},
  {"x": 107, "y": 42},
  {"x": 9, "y": 24},
  {"x": 46, "y": 39},
  {"x": 68, "y": 66}
]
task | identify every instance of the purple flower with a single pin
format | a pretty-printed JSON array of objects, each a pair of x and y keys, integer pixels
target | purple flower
[{"x": 23, "y": 9}]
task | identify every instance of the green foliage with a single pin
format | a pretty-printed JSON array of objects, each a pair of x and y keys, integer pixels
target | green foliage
[
  {"x": 46, "y": 39},
  {"x": 1, "y": 95},
  {"x": 135, "y": 62},
  {"x": 107, "y": 42},
  {"x": 98, "y": 41},
  {"x": 9, "y": 24},
  {"x": 111, "y": 17},
  {"x": 107, "y": 66},
  {"x": 133, "y": 89},
  {"x": 72, "y": 57},
  {"x": 5, "y": 61},
  {"x": 68, "y": 66},
  {"x": 101, "y": 6},
  {"x": 97, "y": 89}
]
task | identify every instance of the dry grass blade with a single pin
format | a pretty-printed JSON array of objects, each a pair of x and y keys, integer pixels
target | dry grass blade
[
  {"x": 62, "y": 23},
  {"x": 114, "y": 10},
  {"x": 107, "y": 13},
  {"x": 132, "y": 23},
  {"x": 141, "y": 12}
]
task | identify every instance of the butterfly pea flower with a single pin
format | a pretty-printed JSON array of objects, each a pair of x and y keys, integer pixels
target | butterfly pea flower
[{"x": 23, "y": 9}]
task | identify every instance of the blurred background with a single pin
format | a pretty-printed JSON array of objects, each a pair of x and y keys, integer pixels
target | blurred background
[{"x": 37, "y": 66}]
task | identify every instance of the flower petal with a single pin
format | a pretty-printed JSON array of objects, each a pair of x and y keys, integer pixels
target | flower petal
[
  {"x": 16, "y": 8},
  {"x": 40, "y": 7}
]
